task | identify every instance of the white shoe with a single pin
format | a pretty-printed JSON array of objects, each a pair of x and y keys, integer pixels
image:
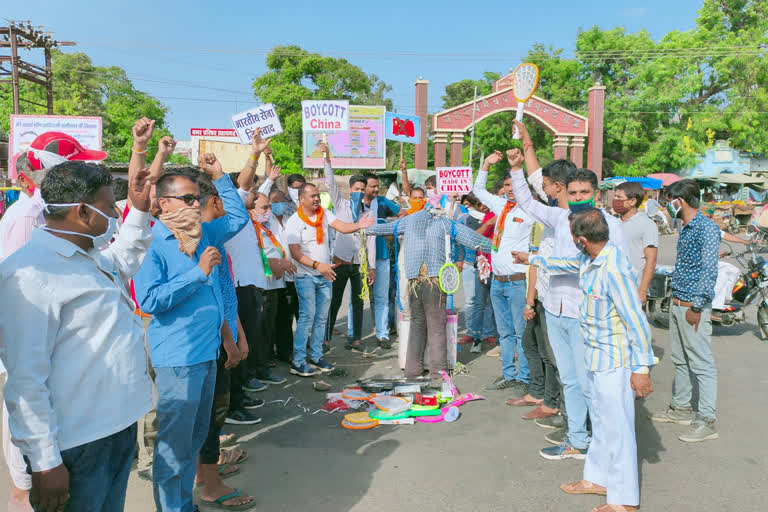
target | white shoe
[{"x": 494, "y": 352}]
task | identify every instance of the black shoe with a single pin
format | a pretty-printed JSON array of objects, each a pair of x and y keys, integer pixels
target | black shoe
[
  {"x": 360, "y": 348},
  {"x": 252, "y": 403},
  {"x": 242, "y": 417},
  {"x": 385, "y": 344}
]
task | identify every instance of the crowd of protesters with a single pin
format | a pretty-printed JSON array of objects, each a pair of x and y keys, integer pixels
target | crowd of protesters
[{"x": 196, "y": 279}]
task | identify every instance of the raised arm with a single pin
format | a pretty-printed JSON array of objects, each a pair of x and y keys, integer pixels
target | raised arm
[
  {"x": 388, "y": 228},
  {"x": 496, "y": 204},
  {"x": 258, "y": 146},
  {"x": 224, "y": 228},
  {"x": 330, "y": 180},
  {"x": 531, "y": 162},
  {"x": 272, "y": 174},
  {"x": 350, "y": 227},
  {"x": 404, "y": 178},
  {"x": 547, "y": 215}
]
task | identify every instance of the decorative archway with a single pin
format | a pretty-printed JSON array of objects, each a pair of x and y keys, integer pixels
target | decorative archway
[{"x": 570, "y": 130}]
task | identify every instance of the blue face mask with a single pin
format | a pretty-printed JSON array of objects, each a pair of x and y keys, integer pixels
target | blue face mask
[
  {"x": 355, "y": 199},
  {"x": 551, "y": 201},
  {"x": 279, "y": 208},
  {"x": 581, "y": 205}
]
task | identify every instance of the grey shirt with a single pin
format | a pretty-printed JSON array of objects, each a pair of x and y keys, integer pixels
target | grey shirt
[{"x": 640, "y": 232}]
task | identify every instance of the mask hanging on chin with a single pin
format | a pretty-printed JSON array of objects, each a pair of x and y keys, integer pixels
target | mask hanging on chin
[
  {"x": 551, "y": 201},
  {"x": 101, "y": 241},
  {"x": 581, "y": 247},
  {"x": 294, "y": 193}
]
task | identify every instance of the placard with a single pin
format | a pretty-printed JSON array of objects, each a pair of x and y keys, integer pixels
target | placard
[
  {"x": 402, "y": 128},
  {"x": 264, "y": 117},
  {"x": 360, "y": 147},
  {"x": 453, "y": 180},
  {"x": 324, "y": 115},
  {"x": 25, "y": 128}
]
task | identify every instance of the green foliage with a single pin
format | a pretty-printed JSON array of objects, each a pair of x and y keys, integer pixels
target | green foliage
[
  {"x": 82, "y": 89},
  {"x": 295, "y": 74}
]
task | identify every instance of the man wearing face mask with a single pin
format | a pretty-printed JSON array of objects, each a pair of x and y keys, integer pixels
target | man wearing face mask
[
  {"x": 564, "y": 296},
  {"x": 77, "y": 379},
  {"x": 178, "y": 284},
  {"x": 512, "y": 233},
  {"x": 641, "y": 232},
  {"x": 690, "y": 323},
  {"x": 618, "y": 355},
  {"x": 346, "y": 254},
  {"x": 294, "y": 182}
]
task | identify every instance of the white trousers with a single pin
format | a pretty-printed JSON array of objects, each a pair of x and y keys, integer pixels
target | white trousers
[
  {"x": 13, "y": 457},
  {"x": 612, "y": 455}
]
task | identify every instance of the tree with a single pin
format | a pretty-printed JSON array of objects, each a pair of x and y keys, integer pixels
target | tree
[
  {"x": 82, "y": 89},
  {"x": 295, "y": 74}
]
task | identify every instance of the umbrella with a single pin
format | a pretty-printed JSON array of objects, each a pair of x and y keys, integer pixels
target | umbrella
[{"x": 665, "y": 177}]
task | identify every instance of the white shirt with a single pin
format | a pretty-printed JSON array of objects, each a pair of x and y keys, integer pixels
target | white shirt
[
  {"x": 73, "y": 345},
  {"x": 546, "y": 246},
  {"x": 564, "y": 294},
  {"x": 517, "y": 229},
  {"x": 243, "y": 250},
  {"x": 18, "y": 222},
  {"x": 273, "y": 252},
  {"x": 347, "y": 245},
  {"x": 299, "y": 232}
]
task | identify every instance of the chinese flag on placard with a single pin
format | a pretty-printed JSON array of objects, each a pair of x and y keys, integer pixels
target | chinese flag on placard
[{"x": 400, "y": 127}]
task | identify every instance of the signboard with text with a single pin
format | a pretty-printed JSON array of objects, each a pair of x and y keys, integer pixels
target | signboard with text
[
  {"x": 454, "y": 180},
  {"x": 360, "y": 147},
  {"x": 402, "y": 128},
  {"x": 264, "y": 117},
  {"x": 25, "y": 128},
  {"x": 324, "y": 115}
]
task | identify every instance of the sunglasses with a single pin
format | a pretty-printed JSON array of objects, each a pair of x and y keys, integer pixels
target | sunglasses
[{"x": 189, "y": 199}]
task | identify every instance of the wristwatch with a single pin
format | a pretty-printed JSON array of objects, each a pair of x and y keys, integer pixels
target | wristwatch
[
  {"x": 529, "y": 306},
  {"x": 695, "y": 309}
]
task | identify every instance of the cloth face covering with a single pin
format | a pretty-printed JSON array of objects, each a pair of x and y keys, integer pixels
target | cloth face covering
[
  {"x": 279, "y": 208},
  {"x": 582, "y": 205},
  {"x": 186, "y": 225}
]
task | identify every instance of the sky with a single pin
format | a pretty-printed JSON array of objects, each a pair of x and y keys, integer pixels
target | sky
[{"x": 200, "y": 58}]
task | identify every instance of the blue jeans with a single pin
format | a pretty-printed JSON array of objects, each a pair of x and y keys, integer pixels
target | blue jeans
[
  {"x": 568, "y": 347},
  {"x": 381, "y": 299},
  {"x": 469, "y": 277},
  {"x": 98, "y": 472},
  {"x": 314, "y": 303},
  {"x": 508, "y": 304},
  {"x": 184, "y": 401}
]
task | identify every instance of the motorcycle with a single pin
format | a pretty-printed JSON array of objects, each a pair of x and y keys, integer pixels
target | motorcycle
[{"x": 750, "y": 286}]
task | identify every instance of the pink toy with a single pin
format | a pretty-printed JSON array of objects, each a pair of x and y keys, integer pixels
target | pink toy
[{"x": 458, "y": 401}]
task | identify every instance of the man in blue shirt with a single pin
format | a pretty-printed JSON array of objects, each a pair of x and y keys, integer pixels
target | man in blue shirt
[
  {"x": 178, "y": 284},
  {"x": 690, "y": 324}
]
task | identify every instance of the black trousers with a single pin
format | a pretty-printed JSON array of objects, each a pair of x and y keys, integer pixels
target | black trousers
[
  {"x": 209, "y": 453},
  {"x": 287, "y": 312},
  {"x": 346, "y": 273},
  {"x": 250, "y": 306},
  {"x": 544, "y": 380}
]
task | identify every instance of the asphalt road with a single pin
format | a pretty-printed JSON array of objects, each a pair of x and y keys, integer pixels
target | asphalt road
[{"x": 488, "y": 459}]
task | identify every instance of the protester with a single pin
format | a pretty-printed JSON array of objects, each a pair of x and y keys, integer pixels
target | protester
[
  {"x": 294, "y": 182},
  {"x": 424, "y": 238},
  {"x": 179, "y": 285},
  {"x": 346, "y": 255},
  {"x": 571, "y": 190},
  {"x": 77, "y": 386},
  {"x": 641, "y": 233},
  {"x": 234, "y": 348},
  {"x": 618, "y": 355},
  {"x": 307, "y": 232},
  {"x": 690, "y": 323}
]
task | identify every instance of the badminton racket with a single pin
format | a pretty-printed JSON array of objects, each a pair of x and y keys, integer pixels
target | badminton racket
[
  {"x": 525, "y": 79},
  {"x": 449, "y": 277}
]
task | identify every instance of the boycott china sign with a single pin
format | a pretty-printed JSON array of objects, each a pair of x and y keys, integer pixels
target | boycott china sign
[
  {"x": 452, "y": 180},
  {"x": 324, "y": 115},
  {"x": 264, "y": 117}
]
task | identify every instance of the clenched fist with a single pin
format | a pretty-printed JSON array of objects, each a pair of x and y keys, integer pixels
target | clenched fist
[{"x": 209, "y": 259}]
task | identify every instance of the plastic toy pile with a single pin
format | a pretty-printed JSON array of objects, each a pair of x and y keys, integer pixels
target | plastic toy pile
[{"x": 398, "y": 402}]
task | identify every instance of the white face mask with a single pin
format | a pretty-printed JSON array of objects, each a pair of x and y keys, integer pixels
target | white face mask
[
  {"x": 430, "y": 192},
  {"x": 100, "y": 241},
  {"x": 294, "y": 193},
  {"x": 476, "y": 214}
]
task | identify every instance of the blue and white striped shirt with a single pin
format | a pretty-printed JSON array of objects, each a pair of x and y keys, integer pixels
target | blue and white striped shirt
[{"x": 612, "y": 320}]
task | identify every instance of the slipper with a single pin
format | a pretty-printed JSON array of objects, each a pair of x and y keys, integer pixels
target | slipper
[
  {"x": 583, "y": 487},
  {"x": 219, "y": 502},
  {"x": 613, "y": 508},
  {"x": 223, "y": 473},
  {"x": 228, "y": 456}
]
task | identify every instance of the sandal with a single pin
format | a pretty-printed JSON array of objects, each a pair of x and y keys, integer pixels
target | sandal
[
  {"x": 584, "y": 487},
  {"x": 233, "y": 456},
  {"x": 223, "y": 473},
  {"x": 219, "y": 502}
]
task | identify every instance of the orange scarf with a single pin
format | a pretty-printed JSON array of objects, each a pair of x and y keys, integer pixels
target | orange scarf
[
  {"x": 416, "y": 205},
  {"x": 318, "y": 224},
  {"x": 261, "y": 227},
  {"x": 500, "y": 226}
]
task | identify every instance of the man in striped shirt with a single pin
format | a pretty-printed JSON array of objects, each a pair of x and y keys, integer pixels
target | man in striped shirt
[{"x": 618, "y": 355}]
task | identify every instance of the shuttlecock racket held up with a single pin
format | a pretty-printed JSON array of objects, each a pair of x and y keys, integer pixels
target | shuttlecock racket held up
[{"x": 526, "y": 79}]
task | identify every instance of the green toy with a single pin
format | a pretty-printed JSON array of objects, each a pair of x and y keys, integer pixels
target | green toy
[{"x": 410, "y": 413}]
